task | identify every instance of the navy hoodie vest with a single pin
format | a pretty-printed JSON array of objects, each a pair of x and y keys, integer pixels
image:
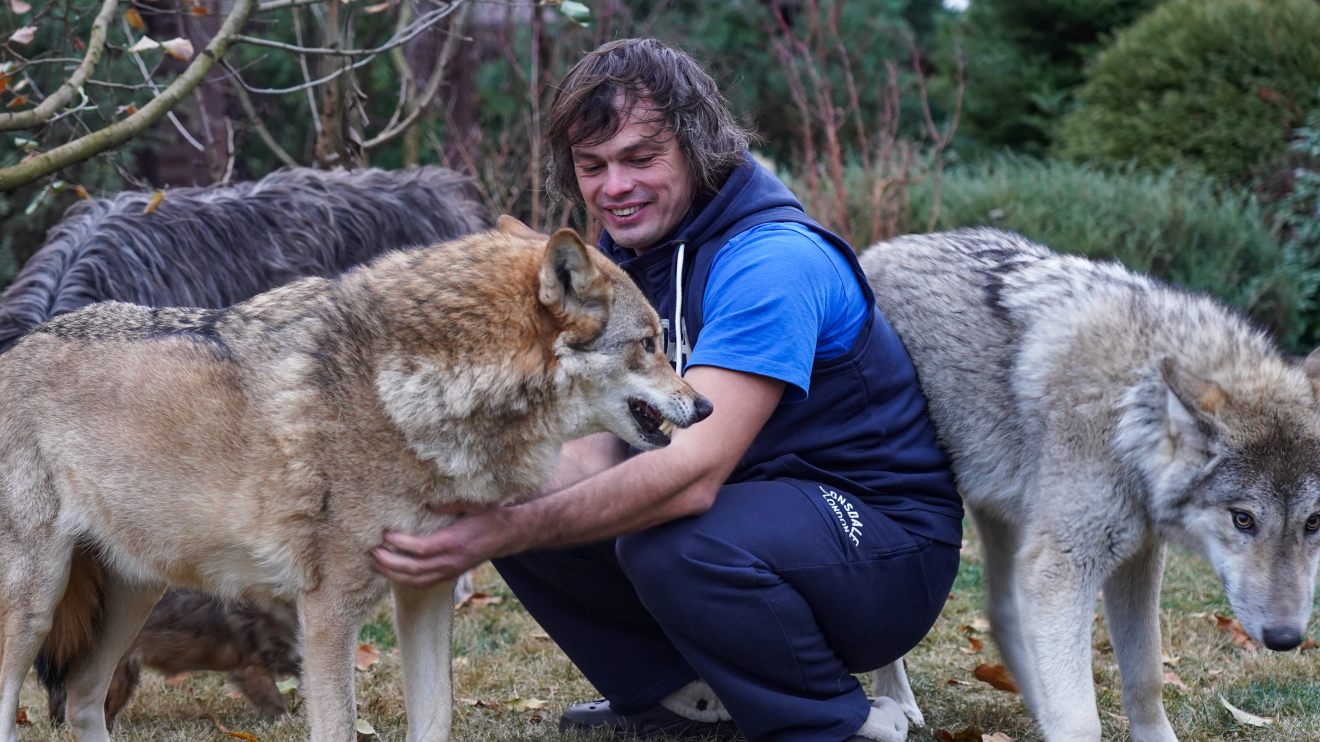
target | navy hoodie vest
[{"x": 863, "y": 428}]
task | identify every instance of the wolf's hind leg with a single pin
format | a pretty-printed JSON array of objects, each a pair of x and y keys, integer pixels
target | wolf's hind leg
[
  {"x": 424, "y": 620},
  {"x": 30, "y": 589},
  {"x": 1132, "y": 605},
  {"x": 999, "y": 547},
  {"x": 127, "y": 605},
  {"x": 891, "y": 681}
]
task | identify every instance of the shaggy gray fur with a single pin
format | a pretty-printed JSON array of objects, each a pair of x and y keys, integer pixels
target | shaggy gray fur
[{"x": 213, "y": 247}]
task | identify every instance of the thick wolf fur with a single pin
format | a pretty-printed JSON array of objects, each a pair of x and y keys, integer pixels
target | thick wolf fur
[
  {"x": 210, "y": 248},
  {"x": 1092, "y": 415},
  {"x": 260, "y": 451}
]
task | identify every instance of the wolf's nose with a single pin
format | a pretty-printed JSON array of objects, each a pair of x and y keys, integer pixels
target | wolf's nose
[
  {"x": 1281, "y": 638},
  {"x": 703, "y": 408}
]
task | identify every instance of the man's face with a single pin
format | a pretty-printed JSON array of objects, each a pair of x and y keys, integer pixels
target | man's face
[{"x": 637, "y": 184}]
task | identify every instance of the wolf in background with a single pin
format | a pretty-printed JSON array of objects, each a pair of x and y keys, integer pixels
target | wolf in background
[
  {"x": 1092, "y": 415},
  {"x": 210, "y": 248},
  {"x": 261, "y": 450}
]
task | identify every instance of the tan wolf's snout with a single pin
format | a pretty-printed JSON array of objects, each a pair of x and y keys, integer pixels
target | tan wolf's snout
[{"x": 608, "y": 326}]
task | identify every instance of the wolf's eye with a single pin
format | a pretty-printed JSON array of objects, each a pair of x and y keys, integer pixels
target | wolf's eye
[
  {"x": 1243, "y": 520},
  {"x": 1313, "y": 523},
  {"x": 648, "y": 345}
]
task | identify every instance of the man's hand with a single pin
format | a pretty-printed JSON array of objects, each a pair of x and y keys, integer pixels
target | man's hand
[{"x": 643, "y": 491}]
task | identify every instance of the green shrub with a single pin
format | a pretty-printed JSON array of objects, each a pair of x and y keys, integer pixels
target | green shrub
[
  {"x": 1174, "y": 225},
  {"x": 1215, "y": 84}
]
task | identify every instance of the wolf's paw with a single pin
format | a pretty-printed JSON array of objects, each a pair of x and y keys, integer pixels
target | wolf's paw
[
  {"x": 910, "y": 709},
  {"x": 887, "y": 722}
]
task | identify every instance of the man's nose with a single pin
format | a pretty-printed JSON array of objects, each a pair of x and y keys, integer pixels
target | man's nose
[{"x": 617, "y": 181}]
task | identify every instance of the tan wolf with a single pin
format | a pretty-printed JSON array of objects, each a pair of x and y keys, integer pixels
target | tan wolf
[
  {"x": 1091, "y": 416},
  {"x": 260, "y": 451}
]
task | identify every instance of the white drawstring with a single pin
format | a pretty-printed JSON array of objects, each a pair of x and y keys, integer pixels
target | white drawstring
[{"x": 678, "y": 311}]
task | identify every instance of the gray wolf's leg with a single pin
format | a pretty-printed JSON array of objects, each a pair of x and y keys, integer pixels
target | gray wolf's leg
[
  {"x": 424, "y": 620},
  {"x": 891, "y": 681},
  {"x": 30, "y": 588},
  {"x": 1132, "y": 602},
  {"x": 999, "y": 548},
  {"x": 127, "y": 605},
  {"x": 1056, "y": 602},
  {"x": 330, "y": 630}
]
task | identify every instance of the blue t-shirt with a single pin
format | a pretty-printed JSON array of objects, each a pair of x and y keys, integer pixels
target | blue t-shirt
[{"x": 778, "y": 298}]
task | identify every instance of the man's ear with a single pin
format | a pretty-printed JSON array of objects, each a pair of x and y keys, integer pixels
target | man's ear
[
  {"x": 510, "y": 225},
  {"x": 573, "y": 289},
  {"x": 1193, "y": 406}
]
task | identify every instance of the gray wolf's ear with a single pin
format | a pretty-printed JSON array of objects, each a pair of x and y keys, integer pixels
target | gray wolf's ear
[
  {"x": 1311, "y": 367},
  {"x": 509, "y": 225},
  {"x": 573, "y": 289},
  {"x": 1193, "y": 404}
]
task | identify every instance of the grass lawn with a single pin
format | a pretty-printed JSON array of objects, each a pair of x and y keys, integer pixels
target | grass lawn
[{"x": 504, "y": 666}]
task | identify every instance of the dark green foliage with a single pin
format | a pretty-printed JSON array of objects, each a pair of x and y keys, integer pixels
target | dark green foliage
[
  {"x": 1298, "y": 218},
  {"x": 1024, "y": 59},
  {"x": 1215, "y": 84},
  {"x": 1174, "y": 225}
]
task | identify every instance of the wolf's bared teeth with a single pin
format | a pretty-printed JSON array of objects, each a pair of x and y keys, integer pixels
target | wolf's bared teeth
[{"x": 667, "y": 427}]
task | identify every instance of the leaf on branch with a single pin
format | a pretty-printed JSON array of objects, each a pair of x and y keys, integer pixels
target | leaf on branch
[
  {"x": 82, "y": 193},
  {"x": 18, "y": 6},
  {"x": 154, "y": 203},
  {"x": 16, "y": 102},
  {"x": 377, "y": 8},
  {"x": 130, "y": 109},
  {"x": 24, "y": 35},
  {"x": 575, "y": 11},
  {"x": 78, "y": 44},
  {"x": 996, "y": 675},
  {"x": 179, "y": 48},
  {"x": 134, "y": 19},
  {"x": 27, "y": 144},
  {"x": 1242, "y": 717},
  {"x": 145, "y": 44},
  {"x": 199, "y": 10}
]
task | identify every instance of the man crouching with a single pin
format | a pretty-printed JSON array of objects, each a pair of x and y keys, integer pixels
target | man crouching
[{"x": 807, "y": 530}]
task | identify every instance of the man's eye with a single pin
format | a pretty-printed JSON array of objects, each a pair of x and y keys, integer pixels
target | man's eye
[
  {"x": 643, "y": 160},
  {"x": 648, "y": 345}
]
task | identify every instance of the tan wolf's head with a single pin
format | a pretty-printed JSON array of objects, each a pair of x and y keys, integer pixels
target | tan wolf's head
[
  {"x": 1249, "y": 495},
  {"x": 610, "y": 345}
]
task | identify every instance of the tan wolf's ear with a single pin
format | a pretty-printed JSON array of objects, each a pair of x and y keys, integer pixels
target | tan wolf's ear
[
  {"x": 1193, "y": 405},
  {"x": 509, "y": 225},
  {"x": 1311, "y": 367},
  {"x": 575, "y": 291}
]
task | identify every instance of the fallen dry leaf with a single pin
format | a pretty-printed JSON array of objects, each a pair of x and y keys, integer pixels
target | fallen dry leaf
[
  {"x": 1244, "y": 717},
  {"x": 997, "y": 737},
  {"x": 537, "y": 717},
  {"x": 539, "y": 634},
  {"x": 233, "y": 694},
  {"x": 460, "y": 662},
  {"x": 152, "y": 205},
  {"x": 367, "y": 656},
  {"x": 976, "y": 647},
  {"x": 478, "y": 703},
  {"x": 18, "y": 6},
  {"x": 996, "y": 675},
  {"x": 970, "y": 734},
  {"x": 179, "y": 48},
  {"x": 134, "y": 19},
  {"x": 1240, "y": 637},
  {"x": 525, "y": 704},
  {"x": 1170, "y": 661},
  {"x": 981, "y": 624},
  {"x": 955, "y": 681},
  {"x": 243, "y": 736},
  {"x": 213, "y": 720},
  {"x": 24, "y": 35},
  {"x": 1308, "y": 644},
  {"x": 1171, "y": 678},
  {"x": 287, "y": 685},
  {"x": 21, "y": 717},
  {"x": 480, "y": 599},
  {"x": 364, "y": 727},
  {"x": 173, "y": 681}
]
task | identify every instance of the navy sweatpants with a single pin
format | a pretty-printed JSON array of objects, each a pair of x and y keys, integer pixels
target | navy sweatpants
[{"x": 774, "y": 596}]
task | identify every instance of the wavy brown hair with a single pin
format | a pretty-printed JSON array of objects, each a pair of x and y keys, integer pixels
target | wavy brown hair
[{"x": 598, "y": 95}]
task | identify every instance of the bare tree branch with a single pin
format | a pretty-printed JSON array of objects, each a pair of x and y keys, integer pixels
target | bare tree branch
[
  {"x": 280, "y": 4},
  {"x": 423, "y": 23},
  {"x": 115, "y": 134},
  {"x": 61, "y": 97},
  {"x": 250, "y": 112}
]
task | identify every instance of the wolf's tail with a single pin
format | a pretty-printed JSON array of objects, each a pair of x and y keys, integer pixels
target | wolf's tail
[{"x": 75, "y": 627}]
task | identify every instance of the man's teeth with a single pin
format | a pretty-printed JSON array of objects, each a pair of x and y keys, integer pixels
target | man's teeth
[
  {"x": 667, "y": 427},
  {"x": 625, "y": 212}
]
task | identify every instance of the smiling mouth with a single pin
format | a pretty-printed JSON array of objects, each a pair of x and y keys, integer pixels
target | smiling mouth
[
  {"x": 625, "y": 212},
  {"x": 655, "y": 427}
]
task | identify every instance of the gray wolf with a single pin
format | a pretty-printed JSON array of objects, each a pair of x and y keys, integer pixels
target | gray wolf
[
  {"x": 260, "y": 451},
  {"x": 255, "y": 641},
  {"x": 210, "y": 248},
  {"x": 1092, "y": 416},
  {"x": 213, "y": 247}
]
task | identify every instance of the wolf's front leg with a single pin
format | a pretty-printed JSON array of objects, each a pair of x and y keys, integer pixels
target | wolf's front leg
[
  {"x": 1056, "y": 598},
  {"x": 127, "y": 605},
  {"x": 424, "y": 621},
  {"x": 1132, "y": 605},
  {"x": 891, "y": 681},
  {"x": 330, "y": 631}
]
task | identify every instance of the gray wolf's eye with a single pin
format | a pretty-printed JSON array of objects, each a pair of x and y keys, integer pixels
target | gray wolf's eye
[
  {"x": 1313, "y": 523},
  {"x": 1244, "y": 521},
  {"x": 648, "y": 345}
]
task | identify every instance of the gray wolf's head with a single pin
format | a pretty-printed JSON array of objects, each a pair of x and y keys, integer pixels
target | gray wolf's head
[
  {"x": 610, "y": 347},
  {"x": 1241, "y": 486}
]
